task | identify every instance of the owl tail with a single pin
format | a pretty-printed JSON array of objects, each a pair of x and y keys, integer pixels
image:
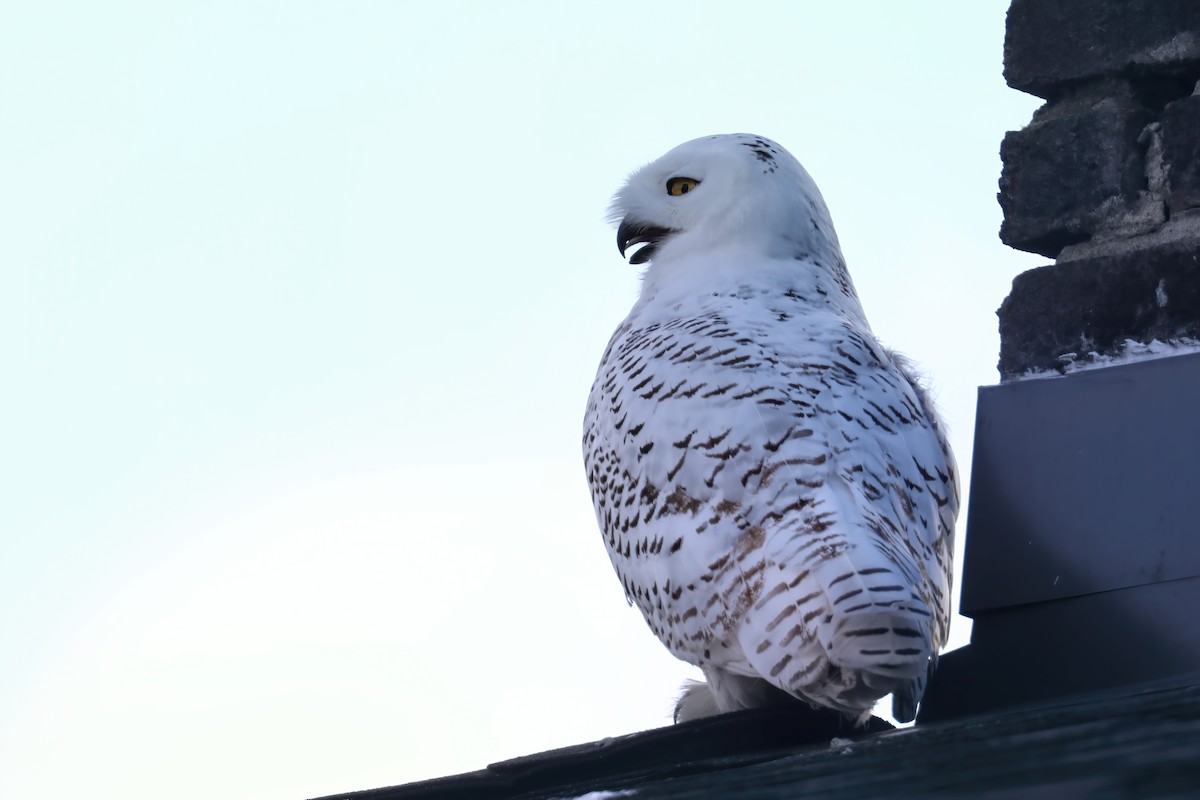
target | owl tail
[
  {"x": 905, "y": 698},
  {"x": 877, "y": 628}
]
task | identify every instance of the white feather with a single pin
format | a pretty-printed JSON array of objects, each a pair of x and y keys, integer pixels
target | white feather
[{"x": 774, "y": 488}]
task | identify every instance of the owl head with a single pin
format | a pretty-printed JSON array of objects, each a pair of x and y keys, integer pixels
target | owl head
[{"x": 726, "y": 191}]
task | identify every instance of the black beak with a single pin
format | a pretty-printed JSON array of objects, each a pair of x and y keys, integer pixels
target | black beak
[{"x": 632, "y": 232}]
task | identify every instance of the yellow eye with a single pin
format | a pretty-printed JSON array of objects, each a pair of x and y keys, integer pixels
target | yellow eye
[{"x": 681, "y": 186}]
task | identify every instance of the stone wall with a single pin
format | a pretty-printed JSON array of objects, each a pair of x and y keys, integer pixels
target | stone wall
[{"x": 1105, "y": 179}]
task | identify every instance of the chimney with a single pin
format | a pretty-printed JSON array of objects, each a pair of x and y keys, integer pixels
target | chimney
[{"x": 1082, "y": 560}]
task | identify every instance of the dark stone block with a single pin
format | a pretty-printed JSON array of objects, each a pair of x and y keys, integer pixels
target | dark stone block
[
  {"x": 1181, "y": 153},
  {"x": 1051, "y": 44},
  {"x": 1084, "y": 484},
  {"x": 1060, "y": 170},
  {"x": 1095, "y": 304}
]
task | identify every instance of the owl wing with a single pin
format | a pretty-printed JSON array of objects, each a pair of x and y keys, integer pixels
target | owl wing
[{"x": 763, "y": 490}]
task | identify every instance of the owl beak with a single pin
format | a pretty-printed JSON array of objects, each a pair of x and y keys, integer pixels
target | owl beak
[{"x": 632, "y": 231}]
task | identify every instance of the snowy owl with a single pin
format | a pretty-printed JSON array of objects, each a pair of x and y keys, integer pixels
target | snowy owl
[{"x": 775, "y": 490}]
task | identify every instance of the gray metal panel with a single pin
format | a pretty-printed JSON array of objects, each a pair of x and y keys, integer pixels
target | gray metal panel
[
  {"x": 1046, "y": 651},
  {"x": 1084, "y": 483}
]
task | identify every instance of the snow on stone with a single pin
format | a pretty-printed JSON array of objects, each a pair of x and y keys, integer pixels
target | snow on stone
[{"x": 1131, "y": 352}]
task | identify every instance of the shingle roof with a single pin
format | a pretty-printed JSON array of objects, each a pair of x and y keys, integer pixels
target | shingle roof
[{"x": 1137, "y": 743}]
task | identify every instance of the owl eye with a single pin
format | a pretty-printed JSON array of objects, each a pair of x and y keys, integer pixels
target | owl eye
[{"x": 681, "y": 186}]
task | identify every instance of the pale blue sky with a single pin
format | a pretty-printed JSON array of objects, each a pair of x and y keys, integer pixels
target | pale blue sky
[{"x": 300, "y": 306}]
